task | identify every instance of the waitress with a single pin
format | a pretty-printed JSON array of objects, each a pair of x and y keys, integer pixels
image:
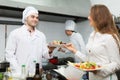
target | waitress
[{"x": 103, "y": 46}]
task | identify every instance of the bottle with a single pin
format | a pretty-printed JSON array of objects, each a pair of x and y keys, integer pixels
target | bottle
[
  {"x": 29, "y": 78},
  {"x": 37, "y": 75},
  {"x": 23, "y": 72},
  {"x": 8, "y": 74},
  {"x": 34, "y": 64},
  {"x": 31, "y": 72}
]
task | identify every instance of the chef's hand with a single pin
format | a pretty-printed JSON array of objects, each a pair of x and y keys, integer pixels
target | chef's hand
[
  {"x": 51, "y": 49},
  {"x": 70, "y": 47},
  {"x": 61, "y": 50}
]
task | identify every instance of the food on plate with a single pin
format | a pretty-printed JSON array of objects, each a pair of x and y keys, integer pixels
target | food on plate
[
  {"x": 87, "y": 66},
  {"x": 77, "y": 65},
  {"x": 56, "y": 42}
]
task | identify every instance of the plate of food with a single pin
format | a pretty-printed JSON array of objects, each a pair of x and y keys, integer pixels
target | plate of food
[
  {"x": 56, "y": 43},
  {"x": 86, "y": 66}
]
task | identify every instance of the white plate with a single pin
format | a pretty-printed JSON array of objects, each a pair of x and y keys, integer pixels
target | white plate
[
  {"x": 91, "y": 69},
  {"x": 55, "y": 45},
  {"x": 72, "y": 64}
]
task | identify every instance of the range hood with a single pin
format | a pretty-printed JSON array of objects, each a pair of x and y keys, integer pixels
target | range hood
[{"x": 51, "y": 10}]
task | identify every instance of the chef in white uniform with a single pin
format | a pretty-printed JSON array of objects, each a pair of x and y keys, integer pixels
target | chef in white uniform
[
  {"x": 26, "y": 44},
  {"x": 75, "y": 38}
]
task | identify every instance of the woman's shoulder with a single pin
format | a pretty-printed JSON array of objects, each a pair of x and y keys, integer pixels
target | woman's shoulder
[
  {"x": 101, "y": 36},
  {"x": 107, "y": 36}
]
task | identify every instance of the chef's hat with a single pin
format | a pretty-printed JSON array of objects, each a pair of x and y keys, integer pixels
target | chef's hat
[
  {"x": 70, "y": 25},
  {"x": 28, "y": 11}
]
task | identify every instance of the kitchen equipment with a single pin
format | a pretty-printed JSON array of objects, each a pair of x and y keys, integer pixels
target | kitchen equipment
[
  {"x": 3, "y": 66},
  {"x": 54, "y": 60}
]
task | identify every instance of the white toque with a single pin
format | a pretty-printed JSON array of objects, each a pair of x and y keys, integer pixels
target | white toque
[
  {"x": 70, "y": 25},
  {"x": 28, "y": 11}
]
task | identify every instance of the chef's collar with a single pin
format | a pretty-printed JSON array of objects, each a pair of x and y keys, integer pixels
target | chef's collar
[
  {"x": 36, "y": 32},
  {"x": 27, "y": 29},
  {"x": 73, "y": 33}
]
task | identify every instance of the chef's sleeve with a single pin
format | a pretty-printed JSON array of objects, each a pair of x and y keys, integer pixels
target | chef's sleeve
[
  {"x": 10, "y": 52},
  {"x": 45, "y": 49}
]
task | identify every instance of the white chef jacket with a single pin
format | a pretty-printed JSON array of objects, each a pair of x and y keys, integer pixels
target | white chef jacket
[
  {"x": 103, "y": 50},
  {"x": 77, "y": 40},
  {"x": 23, "y": 48}
]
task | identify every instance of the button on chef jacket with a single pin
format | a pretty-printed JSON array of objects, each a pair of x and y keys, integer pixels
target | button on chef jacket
[{"x": 23, "y": 48}]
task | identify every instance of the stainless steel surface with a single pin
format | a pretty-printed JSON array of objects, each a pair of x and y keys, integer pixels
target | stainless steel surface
[{"x": 44, "y": 16}]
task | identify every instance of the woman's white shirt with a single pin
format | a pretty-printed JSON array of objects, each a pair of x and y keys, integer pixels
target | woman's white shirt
[{"x": 102, "y": 49}]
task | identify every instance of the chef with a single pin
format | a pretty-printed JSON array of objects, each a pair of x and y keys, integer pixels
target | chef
[
  {"x": 77, "y": 40},
  {"x": 74, "y": 37},
  {"x": 27, "y": 44}
]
